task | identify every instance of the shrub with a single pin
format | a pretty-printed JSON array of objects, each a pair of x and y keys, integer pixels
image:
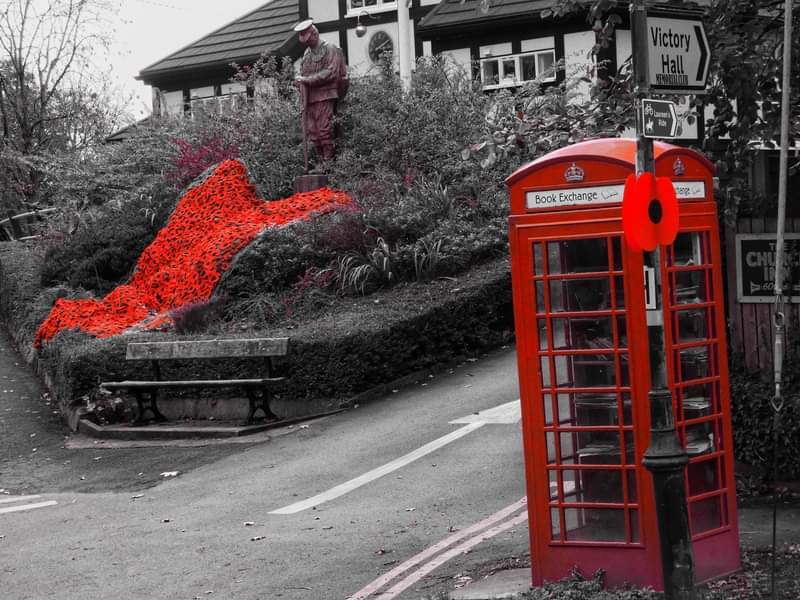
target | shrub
[
  {"x": 752, "y": 417},
  {"x": 193, "y": 159},
  {"x": 104, "y": 247}
]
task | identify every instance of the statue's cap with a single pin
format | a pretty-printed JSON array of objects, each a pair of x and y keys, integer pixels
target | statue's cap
[{"x": 303, "y": 25}]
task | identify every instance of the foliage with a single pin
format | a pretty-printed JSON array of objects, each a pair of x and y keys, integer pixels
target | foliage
[
  {"x": 102, "y": 250},
  {"x": 745, "y": 92},
  {"x": 409, "y": 134},
  {"x": 51, "y": 99},
  {"x": 577, "y": 587},
  {"x": 196, "y": 317},
  {"x": 752, "y": 418},
  {"x": 360, "y": 273},
  {"x": 536, "y": 118},
  {"x": 192, "y": 160}
]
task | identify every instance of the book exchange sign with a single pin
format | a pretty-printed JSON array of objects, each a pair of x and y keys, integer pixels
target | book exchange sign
[{"x": 755, "y": 267}]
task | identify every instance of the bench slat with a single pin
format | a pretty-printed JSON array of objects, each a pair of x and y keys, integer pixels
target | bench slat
[
  {"x": 117, "y": 385},
  {"x": 227, "y": 348}
]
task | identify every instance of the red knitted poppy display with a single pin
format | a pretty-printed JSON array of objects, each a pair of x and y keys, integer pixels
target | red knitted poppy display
[{"x": 213, "y": 221}]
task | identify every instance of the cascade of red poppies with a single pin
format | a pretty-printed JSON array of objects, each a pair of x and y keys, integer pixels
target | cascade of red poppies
[{"x": 213, "y": 221}]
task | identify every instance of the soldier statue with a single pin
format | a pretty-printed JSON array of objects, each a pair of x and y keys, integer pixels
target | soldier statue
[{"x": 322, "y": 82}]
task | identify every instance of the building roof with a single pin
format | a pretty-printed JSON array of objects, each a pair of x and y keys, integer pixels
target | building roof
[
  {"x": 451, "y": 13},
  {"x": 265, "y": 29}
]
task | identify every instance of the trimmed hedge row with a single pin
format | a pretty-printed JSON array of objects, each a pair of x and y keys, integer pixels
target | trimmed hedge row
[{"x": 360, "y": 344}]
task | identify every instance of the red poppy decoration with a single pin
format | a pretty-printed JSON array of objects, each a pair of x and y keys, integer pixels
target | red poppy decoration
[
  {"x": 629, "y": 224},
  {"x": 649, "y": 212},
  {"x": 214, "y": 220}
]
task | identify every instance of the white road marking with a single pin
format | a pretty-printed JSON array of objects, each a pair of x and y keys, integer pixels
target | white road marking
[
  {"x": 349, "y": 486},
  {"x": 414, "y": 577},
  {"x": 12, "y": 509},
  {"x": 9, "y": 499},
  {"x": 505, "y": 414},
  {"x": 373, "y": 587}
]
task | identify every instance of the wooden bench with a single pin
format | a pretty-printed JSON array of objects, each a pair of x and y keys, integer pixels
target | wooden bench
[{"x": 258, "y": 390}]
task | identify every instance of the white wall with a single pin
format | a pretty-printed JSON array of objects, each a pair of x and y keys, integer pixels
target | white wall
[
  {"x": 173, "y": 103},
  {"x": 323, "y": 10},
  {"x": 462, "y": 57},
  {"x": 578, "y": 61}
]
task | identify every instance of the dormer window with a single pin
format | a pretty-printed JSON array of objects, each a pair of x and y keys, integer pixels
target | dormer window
[
  {"x": 354, "y": 7},
  {"x": 515, "y": 69}
]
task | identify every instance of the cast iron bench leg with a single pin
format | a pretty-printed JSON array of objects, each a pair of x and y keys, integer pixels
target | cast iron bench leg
[
  {"x": 259, "y": 398},
  {"x": 151, "y": 405}
]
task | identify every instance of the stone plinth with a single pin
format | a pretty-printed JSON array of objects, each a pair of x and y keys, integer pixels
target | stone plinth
[{"x": 309, "y": 183}]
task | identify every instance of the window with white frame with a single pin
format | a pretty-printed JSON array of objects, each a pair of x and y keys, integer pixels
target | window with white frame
[
  {"x": 515, "y": 69},
  {"x": 211, "y": 101},
  {"x": 356, "y": 6}
]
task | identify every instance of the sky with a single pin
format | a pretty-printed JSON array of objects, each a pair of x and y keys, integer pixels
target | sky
[{"x": 149, "y": 30}]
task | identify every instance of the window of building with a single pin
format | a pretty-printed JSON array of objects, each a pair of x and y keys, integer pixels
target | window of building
[
  {"x": 356, "y": 6},
  {"x": 216, "y": 100},
  {"x": 515, "y": 69}
]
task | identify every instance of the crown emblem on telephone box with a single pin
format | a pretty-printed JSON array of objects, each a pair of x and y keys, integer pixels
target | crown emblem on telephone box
[{"x": 574, "y": 173}]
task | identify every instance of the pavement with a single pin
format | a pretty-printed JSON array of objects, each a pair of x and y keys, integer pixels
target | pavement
[
  {"x": 27, "y": 406},
  {"x": 755, "y": 531}
]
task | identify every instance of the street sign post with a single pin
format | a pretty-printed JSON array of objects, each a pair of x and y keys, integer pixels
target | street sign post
[
  {"x": 659, "y": 118},
  {"x": 678, "y": 55}
]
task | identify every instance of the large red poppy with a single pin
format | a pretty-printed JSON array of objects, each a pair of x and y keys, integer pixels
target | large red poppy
[{"x": 649, "y": 212}]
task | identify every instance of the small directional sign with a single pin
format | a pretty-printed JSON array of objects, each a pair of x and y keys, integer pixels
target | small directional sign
[
  {"x": 679, "y": 55},
  {"x": 659, "y": 118}
]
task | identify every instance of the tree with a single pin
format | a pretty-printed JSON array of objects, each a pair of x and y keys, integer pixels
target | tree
[
  {"x": 745, "y": 91},
  {"x": 46, "y": 49}
]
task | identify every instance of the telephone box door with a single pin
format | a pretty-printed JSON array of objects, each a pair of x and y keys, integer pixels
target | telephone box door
[{"x": 585, "y": 430}]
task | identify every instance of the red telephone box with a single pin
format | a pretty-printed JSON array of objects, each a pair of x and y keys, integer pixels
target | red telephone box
[{"x": 582, "y": 302}]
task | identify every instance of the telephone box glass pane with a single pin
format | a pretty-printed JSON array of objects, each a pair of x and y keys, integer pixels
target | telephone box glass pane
[
  {"x": 555, "y": 523},
  {"x": 703, "y": 477},
  {"x": 578, "y": 256},
  {"x": 580, "y": 295},
  {"x": 691, "y": 325},
  {"x": 696, "y": 401},
  {"x": 634, "y": 521},
  {"x": 595, "y": 447},
  {"x": 595, "y": 524},
  {"x": 705, "y": 515},
  {"x": 688, "y": 250},
  {"x": 700, "y": 439},
  {"x": 601, "y": 408},
  {"x": 693, "y": 363},
  {"x": 538, "y": 265},
  {"x": 633, "y": 496},
  {"x": 689, "y": 287},
  {"x": 583, "y": 333},
  {"x": 596, "y": 485}
]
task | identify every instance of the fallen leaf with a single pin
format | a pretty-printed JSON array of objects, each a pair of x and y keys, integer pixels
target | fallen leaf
[
  {"x": 168, "y": 474},
  {"x": 257, "y": 538},
  {"x": 137, "y": 496},
  {"x": 411, "y": 509},
  {"x": 249, "y": 523}
]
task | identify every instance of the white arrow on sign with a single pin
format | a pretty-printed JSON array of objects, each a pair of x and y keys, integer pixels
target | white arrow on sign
[
  {"x": 659, "y": 118},
  {"x": 678, "y": 54}
]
